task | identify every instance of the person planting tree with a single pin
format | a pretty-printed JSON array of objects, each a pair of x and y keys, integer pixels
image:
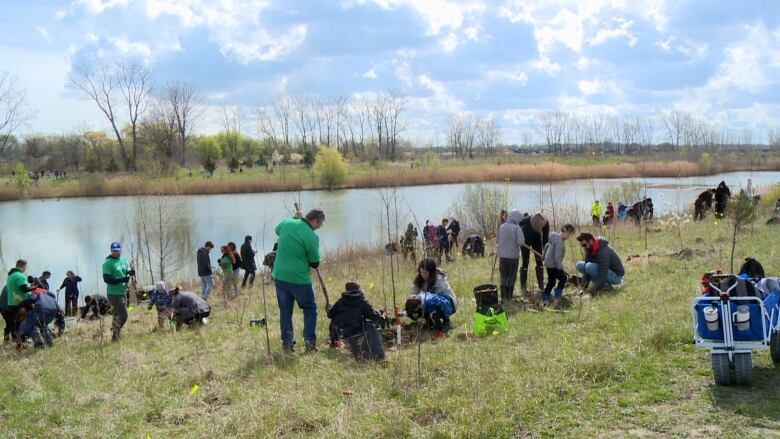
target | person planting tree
[
  {"x": 554, "y": 252},
  {"x": 510, "y": 239},
  {"x": 536, "y": 229},
  {"x": 297, "y": 253},
  {"x": 602, "y": 265}
]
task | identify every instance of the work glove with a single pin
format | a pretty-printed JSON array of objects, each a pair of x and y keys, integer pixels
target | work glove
[
  {"x": 131, "y": 273},
  {"x": 125, "y": 279}
]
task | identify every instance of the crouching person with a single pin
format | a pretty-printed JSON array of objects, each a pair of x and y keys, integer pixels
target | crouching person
[
  {"x": 356, "y": 320},
  {"x": 602, "y": 265},
  {"x": 434, "y": 309},
  {"x": 161, "y": 299},
  {"x": 554, "y": 252},
  {"x": 43, "y": 310},
  {"x": 188, "y": 308},
  {"x": 98, "y": 304}
]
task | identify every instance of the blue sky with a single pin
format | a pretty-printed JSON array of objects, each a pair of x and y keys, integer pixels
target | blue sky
[{"x": 510, "y": 59}]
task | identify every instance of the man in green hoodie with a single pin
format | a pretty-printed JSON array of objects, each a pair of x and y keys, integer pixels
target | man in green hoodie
[
  {"x": 298, "y": 252},
  {"x": 16, "y": 291},
  {"x": 116, "y": 274}
]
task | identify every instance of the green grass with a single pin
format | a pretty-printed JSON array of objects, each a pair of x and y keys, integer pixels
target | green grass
[{"x": 622, "y": 366}]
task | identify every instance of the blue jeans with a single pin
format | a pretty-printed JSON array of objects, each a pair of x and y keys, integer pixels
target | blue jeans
[
  {"x": 207, "y": 283},
  {"x": 287, "y": 295},
  {"x": 592, "y": 269},
  {"x": 31, "y": 324}
]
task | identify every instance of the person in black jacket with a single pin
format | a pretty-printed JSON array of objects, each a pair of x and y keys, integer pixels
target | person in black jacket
[
  {"x": 722, "y": 195},
  {"x": 71, "y": 285},
  {"x": 98, "y": 304},
  {"x": 602, "y": 264},
  {"x": 44, "y": 280},
  {"x": 204, "y": 270},
  {"x": 536, "y": 229},
  {"x": 355, "y": 319},
  {"x": 248, "y": 259},
  {"x": 454, "y": 229}
]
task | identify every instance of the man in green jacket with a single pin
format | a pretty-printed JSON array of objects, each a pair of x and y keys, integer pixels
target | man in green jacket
[
  {"x": 116, "y": 274},
  {"x": 297, "y": 253},
  {"x": 16, "y": 291}
]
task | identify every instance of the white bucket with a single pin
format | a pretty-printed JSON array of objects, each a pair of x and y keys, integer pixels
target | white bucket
[
  {"x": 711, "y": 317},
  {"x": 742, "y": 318}
]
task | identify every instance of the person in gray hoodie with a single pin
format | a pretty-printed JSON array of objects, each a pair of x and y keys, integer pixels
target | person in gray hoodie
[
  {"x": 602, "y": 264},
  {"x": 554, "y": 251},
  {"x": 188, "y": 308},
  {"x": 510, "y": 240}
]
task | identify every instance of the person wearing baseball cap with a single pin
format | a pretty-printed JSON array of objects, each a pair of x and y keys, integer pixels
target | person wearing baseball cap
[{"x": 116, "y": 275}]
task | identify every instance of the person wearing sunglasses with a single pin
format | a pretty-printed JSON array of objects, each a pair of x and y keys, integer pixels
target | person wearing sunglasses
[{"x": 602, "y": 264}]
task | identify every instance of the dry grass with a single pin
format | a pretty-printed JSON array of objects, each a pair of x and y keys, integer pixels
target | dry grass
[{"x": 391, "y": 176}]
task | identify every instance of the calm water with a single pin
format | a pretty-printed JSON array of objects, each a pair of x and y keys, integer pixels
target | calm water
[{"x": 58, "y": 235}]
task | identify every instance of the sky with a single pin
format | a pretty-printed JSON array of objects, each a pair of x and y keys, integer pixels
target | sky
[{"x": 508, "y": 59}]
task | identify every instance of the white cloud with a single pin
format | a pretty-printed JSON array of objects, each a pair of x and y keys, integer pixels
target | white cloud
[
  {"x": 694, "y": 51},
  {"x": 132, "y": 48},
  {"x": 449, "y": 43},
  {"x": 622, "y": 31},
  {"x": 261, "y": 46},
  {"x": 544, "y": 64},
  {"x": 44, "y": 33},
  {"x": 370, "y": 73},
  {"x": 98, "y": 6},
  {"x": 442, "y": 100},
  {"x": 511, "y": 75},
  {"x": 590, "y": 87}
]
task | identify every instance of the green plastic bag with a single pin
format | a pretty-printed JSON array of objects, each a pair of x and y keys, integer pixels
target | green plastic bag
[{"x": 490, "y": 322}]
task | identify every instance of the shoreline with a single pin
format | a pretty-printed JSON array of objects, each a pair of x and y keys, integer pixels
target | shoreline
[{"x": 544, "y": 172}]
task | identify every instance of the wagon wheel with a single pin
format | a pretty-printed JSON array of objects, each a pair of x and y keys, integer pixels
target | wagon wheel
[
  {"x": 743, "y": 368},
  {"x": 774, "y": 347},
  {"x": 721, "y": 370}
]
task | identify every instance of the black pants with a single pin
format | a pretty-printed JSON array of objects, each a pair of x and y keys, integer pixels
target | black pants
[
  {"x": 525, "y": 252},
  {"x": 71, "y": 304},
  {"x": 9, "y": 315},
  {"x": 507, "y": 270},
  {"x": 251, "y": 276},
  {"x": 553, "y": 275}
]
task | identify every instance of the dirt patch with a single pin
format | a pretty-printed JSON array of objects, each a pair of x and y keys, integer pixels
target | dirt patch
[{"x": 648, "y": 258}]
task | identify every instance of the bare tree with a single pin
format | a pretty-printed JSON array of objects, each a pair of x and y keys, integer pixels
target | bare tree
[
  {"x": 282, "y": 112},
  {"x": 159, "y": 132},
  {"x": 184, "y": 104},
  {"x": 111, "y": 87},
  {"x": 162, "y": 227},
  {"x": 552, "y": 126},
  {"x": 134, "y": 83},
  {"x": 303, "y": 120},
  {"x": 488, "y": 134},
  {"x": 13, "y": 108},
  {"x": 676, "y": 123}
]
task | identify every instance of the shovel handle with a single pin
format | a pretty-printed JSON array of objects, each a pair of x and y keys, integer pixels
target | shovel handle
[{"x": 322, "y": 285}]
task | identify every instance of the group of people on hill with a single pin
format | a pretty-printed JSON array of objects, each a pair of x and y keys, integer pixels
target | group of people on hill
[
  {"x": 519, "y": 235},
  {"x": 639, "y": 211},
  {"x": 438, "y": 240},
  {"x": 231, "y": 261}
]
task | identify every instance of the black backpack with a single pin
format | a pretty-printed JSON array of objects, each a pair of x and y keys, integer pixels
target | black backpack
[{"x": 752, "y": 268}]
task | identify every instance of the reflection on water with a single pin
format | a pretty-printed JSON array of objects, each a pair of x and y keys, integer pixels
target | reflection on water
[{"x": 75, "y": 234}]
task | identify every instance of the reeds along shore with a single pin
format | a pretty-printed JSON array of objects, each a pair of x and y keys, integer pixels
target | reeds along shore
[{"x": 540, "y": 172}]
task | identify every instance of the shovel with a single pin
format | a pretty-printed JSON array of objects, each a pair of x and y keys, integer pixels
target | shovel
[{"x": 324, "y": 290}]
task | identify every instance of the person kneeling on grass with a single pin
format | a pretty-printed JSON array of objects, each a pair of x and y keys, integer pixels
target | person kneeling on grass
[
  {"x": 161, "y": 299},
  {"x": 355, "y": 319},
  {"x": 554, "y": 252},
  {"x": 98, "y": 304},
  {"x": 602, "y": 264},
  {"x": 43, "y": 310},
  {"x": 434, "y": 309},
  {"x": 188, "y": 308}
]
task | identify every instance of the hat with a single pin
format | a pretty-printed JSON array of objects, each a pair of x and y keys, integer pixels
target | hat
[
  {"x": 116, "y": 246},
  {"x": 352, "y": 286},
  {"x": 159, "y": 286}
]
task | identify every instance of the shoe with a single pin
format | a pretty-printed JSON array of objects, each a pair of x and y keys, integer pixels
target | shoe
[
  {"x": 336, "y": 344},
  {"x": 115, "y": 337},
  {"x": 311, "y": 348},
  {"x": 289, "y": 349},
  {"x": 440, "y": 333},
  {"x": 558, "y": 293}
]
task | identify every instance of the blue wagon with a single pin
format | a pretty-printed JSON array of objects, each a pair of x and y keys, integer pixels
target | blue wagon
[{"x": 737, "y": 318}]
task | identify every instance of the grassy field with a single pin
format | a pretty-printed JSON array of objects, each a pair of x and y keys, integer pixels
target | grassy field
[
  {"x": 512, "y": 167},
  {"x": 619, "y": 365}
]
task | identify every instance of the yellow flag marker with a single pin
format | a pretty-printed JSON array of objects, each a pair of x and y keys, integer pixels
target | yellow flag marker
[
  {"x": 370, "y": 285},
  {"x": 130, "y": 309},
  {"x": 148, "y": 436},
  {"x": 194, "y": 389}
]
